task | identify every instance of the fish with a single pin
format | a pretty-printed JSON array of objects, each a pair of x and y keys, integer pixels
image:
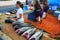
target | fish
[
  {"x": 29, "y": 33},
  {"x": 22, "y": 30},
  {"x": 36, "y": 36},
  {"x": 12, "y": 11},
  {"x": 21, "y": 24},
  {"x": 9, "y": 21},
  {"x": 18, "y": 25},
  {"x": 15, "y": 23}
]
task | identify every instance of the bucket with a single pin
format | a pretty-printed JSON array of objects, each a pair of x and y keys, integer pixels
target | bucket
[{"x": 58, "y": 17}]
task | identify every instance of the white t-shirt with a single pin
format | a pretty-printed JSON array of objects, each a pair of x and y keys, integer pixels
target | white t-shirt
[{"x": 20, "y": 11}]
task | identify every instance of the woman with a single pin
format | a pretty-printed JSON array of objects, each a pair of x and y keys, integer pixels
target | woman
[
  {"x": 38, "y": 11},
  {"x": 31, "y": 5},
  {"x": 19, "y": 13}
]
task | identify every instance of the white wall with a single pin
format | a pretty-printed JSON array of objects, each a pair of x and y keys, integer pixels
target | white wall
[
  {"x": 6, "y": 3},
  {"x": 19, "y": 0}
]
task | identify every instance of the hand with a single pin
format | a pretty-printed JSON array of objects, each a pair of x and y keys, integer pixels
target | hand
[{"x": 17, "y": 19}]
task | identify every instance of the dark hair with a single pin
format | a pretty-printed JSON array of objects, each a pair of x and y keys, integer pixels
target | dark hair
[
  {"x": 37, "y": 6},
  {"x": 21, "y": 5}
]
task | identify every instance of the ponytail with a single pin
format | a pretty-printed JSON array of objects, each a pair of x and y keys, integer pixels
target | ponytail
[{"x": 21, "y": 6}]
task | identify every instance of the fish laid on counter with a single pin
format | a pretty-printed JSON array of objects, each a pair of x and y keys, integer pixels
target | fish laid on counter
[
  {"x": 18, "y": 25},
  {"x": 37, "y": 36},
  {"x": 29, "y": 33},
  {"x": 21, "y": 24},
  {"x": 22, "y": 30}
]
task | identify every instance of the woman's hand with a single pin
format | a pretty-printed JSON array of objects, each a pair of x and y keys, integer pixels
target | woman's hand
[{"x": 15, "y": 19}]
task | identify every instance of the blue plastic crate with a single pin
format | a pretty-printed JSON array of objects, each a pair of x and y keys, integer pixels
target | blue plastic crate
[
  {"x": 25, "y": 8},
  {"x": 31, "y": 16},
  {"x": 56, "y": 13}
]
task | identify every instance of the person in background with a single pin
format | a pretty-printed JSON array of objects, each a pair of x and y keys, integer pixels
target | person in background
[
  {"x": 29, "y": 1},
  {"x": 31, "y": 5},
  {"x": 38, "y": 12},
  {"x": 26, "y": 2},
  {"x": 45, "y": 5},
  {"x": 19, "y": 13}
]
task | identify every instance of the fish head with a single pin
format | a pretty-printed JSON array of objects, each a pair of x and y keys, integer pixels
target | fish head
[
  {"x": 17, "y": 31},
  {"x": 32, "y": 39}
]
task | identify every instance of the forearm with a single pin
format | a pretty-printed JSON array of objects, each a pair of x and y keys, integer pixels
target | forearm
[{"x": 20, "y": 16}]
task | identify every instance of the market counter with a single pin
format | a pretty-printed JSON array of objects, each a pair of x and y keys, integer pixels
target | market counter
[{"x": 8, "y": 29}]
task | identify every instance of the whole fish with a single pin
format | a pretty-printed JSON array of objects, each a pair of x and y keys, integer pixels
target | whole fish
[
  {"x": 29, "y": 33},
  {"x": 36, "y": 36},
  {"x": 17, "y": 27},
  {"x": 16, "y": 23},
  {"x": 22, "y": 24},
  {"x": 22, "y": 30}
]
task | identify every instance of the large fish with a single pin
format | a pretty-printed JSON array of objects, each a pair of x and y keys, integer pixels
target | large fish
[
  {"x": 9, "y": 21},
  {"x": 36, "y": 36},
  {"x": 12, "y": 11},
  {"x": 21, "y": 24},
  {"x": 29, "y": 33},
  {"x": 22, "y": 30},
  {"x": 18, "y": 25}
]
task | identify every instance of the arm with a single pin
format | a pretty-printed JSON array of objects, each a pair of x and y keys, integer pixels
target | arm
[{"x": 20, "y": 16}]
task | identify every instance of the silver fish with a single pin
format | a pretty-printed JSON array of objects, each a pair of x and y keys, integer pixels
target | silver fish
[
  {"x": 36, "y": 36},
  {"x": 21, "y": 30},
  {"x": 29, "y": 33}
]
